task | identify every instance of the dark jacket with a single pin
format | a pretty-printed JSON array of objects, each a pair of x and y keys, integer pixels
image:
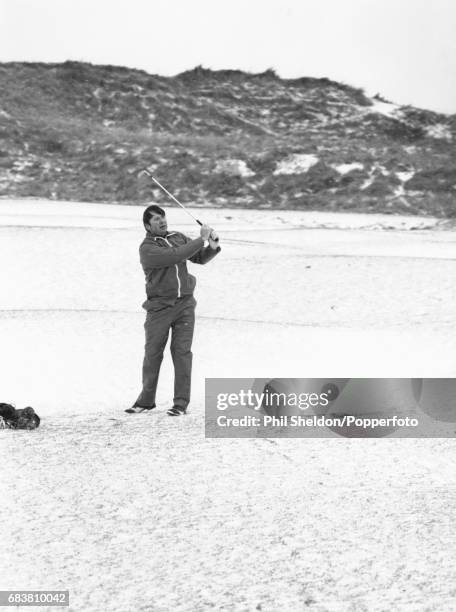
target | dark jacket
[{"x": 163, "y": 259}]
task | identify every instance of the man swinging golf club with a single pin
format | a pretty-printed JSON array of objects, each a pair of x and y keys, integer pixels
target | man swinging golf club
[{"x": 170, "y": 304}]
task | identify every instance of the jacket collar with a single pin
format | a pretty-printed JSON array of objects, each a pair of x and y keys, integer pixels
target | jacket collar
[{"x": 153, "y": 237}]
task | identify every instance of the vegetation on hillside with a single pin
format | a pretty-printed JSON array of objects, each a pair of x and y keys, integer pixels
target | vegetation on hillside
[{"x": 76, "y": 131}]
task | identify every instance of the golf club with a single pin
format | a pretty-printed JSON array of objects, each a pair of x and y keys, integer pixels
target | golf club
[{"x": 170, "y": 195}]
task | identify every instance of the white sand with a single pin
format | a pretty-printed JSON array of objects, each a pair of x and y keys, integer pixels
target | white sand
[{"x": 144, "y": 513}]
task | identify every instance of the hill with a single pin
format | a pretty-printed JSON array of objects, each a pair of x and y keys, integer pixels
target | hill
[{"x": 76, "y": 131}]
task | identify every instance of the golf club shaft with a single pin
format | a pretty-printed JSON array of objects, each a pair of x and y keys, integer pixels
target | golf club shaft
[{"x": 170, "y": 195}]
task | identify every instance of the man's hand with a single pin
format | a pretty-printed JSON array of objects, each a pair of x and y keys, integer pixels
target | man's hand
[
  {"x": 213, "y": 240},
  {"x": 205, "y": 232}
]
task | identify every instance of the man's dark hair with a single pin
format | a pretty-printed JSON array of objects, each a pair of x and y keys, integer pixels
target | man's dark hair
[{"x": 150, "y": 210}]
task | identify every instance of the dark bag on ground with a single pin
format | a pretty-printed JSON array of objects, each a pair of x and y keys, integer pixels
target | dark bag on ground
[{"x": 22, "y": 418}]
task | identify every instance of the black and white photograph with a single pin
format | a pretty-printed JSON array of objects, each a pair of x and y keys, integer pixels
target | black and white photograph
[{"x": 228, "y": 220}]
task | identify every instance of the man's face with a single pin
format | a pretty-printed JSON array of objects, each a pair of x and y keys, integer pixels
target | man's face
[{"x": 157, "y": 225}]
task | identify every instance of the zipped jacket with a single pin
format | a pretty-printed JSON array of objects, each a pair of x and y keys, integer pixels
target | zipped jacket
[{"x": 163, "y": 259}]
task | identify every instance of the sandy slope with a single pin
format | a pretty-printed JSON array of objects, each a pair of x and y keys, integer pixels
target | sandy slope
[{"x": 144, "y": 513}]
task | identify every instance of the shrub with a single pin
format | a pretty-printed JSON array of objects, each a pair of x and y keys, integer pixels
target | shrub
[{"x": 439, "y": 180}]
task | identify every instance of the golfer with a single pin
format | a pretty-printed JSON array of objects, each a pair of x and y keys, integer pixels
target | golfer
[{"x": 170, "y": 304}]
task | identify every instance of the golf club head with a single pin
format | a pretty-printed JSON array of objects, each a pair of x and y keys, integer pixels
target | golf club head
[{"x": 144, "y": 171}]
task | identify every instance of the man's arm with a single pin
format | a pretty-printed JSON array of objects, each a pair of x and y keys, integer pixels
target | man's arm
[
  {"x": 206, "y": 254},
  {"x": 153, "y": 256}
]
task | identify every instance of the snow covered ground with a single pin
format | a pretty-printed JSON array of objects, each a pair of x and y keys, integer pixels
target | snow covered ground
[{"x": 143, "y": 512}]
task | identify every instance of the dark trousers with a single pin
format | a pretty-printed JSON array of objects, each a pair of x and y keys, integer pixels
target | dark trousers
[{"x": 180, "y": 319}]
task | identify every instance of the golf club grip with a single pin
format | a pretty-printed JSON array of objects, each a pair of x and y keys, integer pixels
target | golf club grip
[
  {"x": 199, "y": 223},
  {"x": 210, "y": 233}
]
